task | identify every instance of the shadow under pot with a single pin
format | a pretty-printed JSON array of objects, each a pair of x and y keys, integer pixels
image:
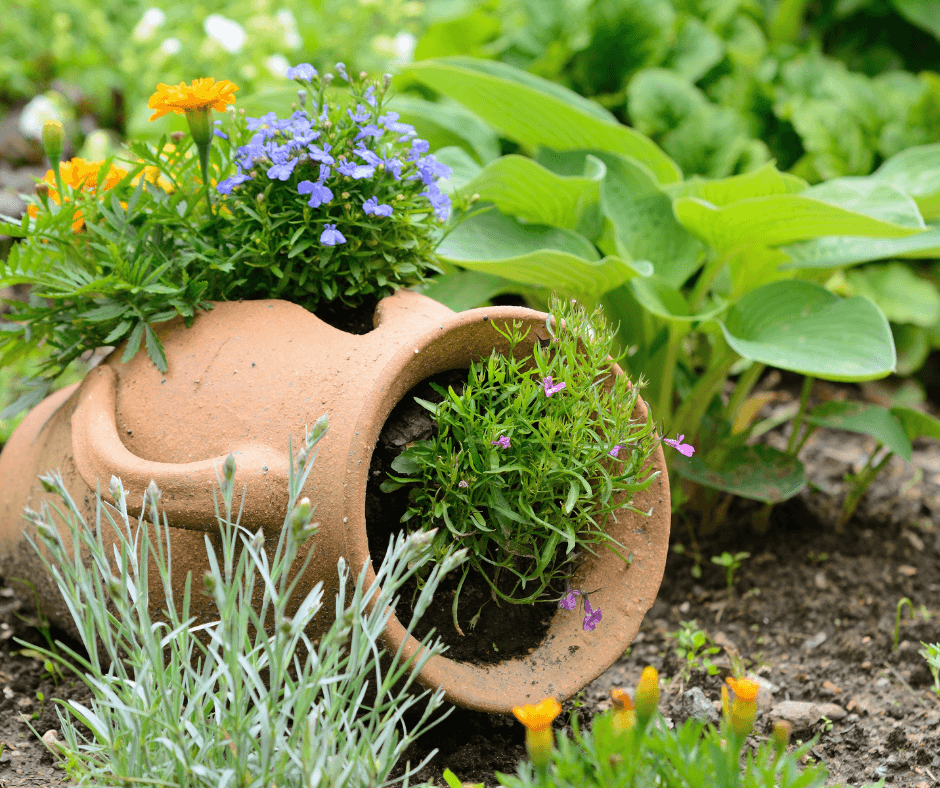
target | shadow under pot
[{"x": 244, "y": 378}]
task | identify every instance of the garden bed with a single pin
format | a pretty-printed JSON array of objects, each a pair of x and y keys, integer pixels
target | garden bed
[{"x": 812, "y": 611}]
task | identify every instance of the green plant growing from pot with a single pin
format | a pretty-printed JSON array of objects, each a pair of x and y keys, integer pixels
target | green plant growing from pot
[
  {"x": 333, "y": 200},
  {"x": 530, "y": 459}
]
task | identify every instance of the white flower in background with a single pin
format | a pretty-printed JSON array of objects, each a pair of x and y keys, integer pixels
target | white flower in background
[
  {"x": 228, "y": 33},
  {"x": 147, "y": 26},
  {"x": 401, "y": 48},
  {"x": 278, "y": 65},
  {"x": 171, "y": 46},
  {"x": 291, "y": 35},
  {"x": 35, "y": 114}
]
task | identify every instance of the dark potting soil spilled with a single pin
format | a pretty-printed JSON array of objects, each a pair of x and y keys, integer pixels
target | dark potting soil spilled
[
  {"x": 353, "y": 320},
  {"x": 504, "y": 630}
]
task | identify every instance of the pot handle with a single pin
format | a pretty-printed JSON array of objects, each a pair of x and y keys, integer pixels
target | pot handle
[{"x": 187, "y": 488}]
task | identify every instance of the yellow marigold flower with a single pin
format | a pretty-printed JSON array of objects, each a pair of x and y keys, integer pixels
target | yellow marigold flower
[
  {"x": 201, "y": 94},
  {"x": 647, "y": 695},
  {"x": 538, "y": 722},
  {"x": 624, "y": 714},
  {"x": 744, "y": 708}
]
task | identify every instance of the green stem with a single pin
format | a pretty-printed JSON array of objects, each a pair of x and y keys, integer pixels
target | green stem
[
  {"x": 696, "y": 403},
  {"x": 785, "y": 28},
  {"x": 743, "y": 388},
  {"x": 664, "y": 406},
  {"x": 866, "y": 477},
  {"x": 709, "y": 272},
  {"x": 798, "y": 419},
  {"x": 204, "y": 166}
]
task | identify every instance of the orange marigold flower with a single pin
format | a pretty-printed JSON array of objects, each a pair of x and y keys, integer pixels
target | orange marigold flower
[
  {"x": 624, "y": 714},
  {"x": 82, "y": 176},
  {"x": 538, "y": 722},
  {"x": 201, "y": 94},
  {"x": 744, "y": 708}
]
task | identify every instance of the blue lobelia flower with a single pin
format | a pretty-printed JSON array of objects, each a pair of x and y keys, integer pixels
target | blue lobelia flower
[
  {"x": 439, "y": 201},
  {"x": 331, "y": 236},
  {"x": 302, "y": 71},
  {"x": 368, "y": 156},
  {"x": 226, "y": 186},
  {"x": 319, "y": 194},
  {"x": 372, "y": 207},
  {"x": 282, "y": 171},
  {"x": 321, "y": 154},
  {"x": 593, "y": 616},
  {"x": 369, "y": 130},
  {"x": 358, "y": 171},
  {"x": 361, "y": 115}
]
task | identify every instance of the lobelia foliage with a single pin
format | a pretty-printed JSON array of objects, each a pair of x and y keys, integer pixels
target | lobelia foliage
[
  {"x": 705, "y": 277},
  {"x": 522, "y": 466},
  {"x": 248, "y": 705},
  {"x": 338, "y": 201}
]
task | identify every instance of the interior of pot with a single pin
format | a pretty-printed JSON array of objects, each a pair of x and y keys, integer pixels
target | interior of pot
[{"x": 569, "y": 657}]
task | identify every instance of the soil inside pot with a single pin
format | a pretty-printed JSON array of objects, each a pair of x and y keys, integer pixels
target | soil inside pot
[
  {"x": 354, "y": 320},
  {"x": 504, "y": 630}
]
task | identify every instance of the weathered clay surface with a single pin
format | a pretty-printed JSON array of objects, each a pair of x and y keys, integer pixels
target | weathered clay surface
[{"x": 245, "y": 377}]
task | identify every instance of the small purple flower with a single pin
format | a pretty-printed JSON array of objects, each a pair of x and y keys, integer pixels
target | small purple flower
[
  {"x": 393, "y": 166},
  {"x": 283, "y": 170},
  {"x": 462, "y": 483},
  {"x": 503, "y": 442},
  {"x": 319, "y": 194},
  {"x": 430, "y": 169},
  {"x": 221, "y": 134},
  {"x": 369, "y": 130},
  {"x": 321, "y": 154},
  {"x": 358, "y": 171},
  {"x": 592, "y": 618},
  {"x": 331, "y": 236},
  {"x": 613, "y": 452},
  {"x": 368, "y": 156},
  {"x": 370, "y": 99},
  {"x": 361, "y": 115},
  {"x": 389, "y": 120},
  {"x": 341, "y": 70},
  {"x": 683, "y": 448},
  {"x": 302, "y": 71},
  {"x": 439, "y": 201},
  {"x": 372, "y": 207},
  {"x": 549, "y": 388},
  {"x": 569, "y": 602},
  {"x": 226, "y": 186},
  {"x": 418, "y": 149}
]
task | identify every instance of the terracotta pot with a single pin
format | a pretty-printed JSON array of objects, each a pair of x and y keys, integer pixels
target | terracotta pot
[{"x": 244, "y": 377}]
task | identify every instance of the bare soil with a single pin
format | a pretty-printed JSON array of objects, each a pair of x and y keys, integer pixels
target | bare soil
[{"x": 812, "y": 611}]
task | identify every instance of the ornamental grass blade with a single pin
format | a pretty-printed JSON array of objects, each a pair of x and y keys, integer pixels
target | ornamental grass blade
[
  {"x": 758, "y": 473},
  {"x": 865, "y": 418},
  {"x": 802, "y": 327}
]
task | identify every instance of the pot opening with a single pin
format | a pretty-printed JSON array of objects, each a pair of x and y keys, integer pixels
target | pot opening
[
  {"x": 353, "y": 320},
  {"x": 504, "y": 630}
]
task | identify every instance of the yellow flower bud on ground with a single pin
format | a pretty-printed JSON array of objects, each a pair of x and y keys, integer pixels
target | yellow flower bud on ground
[{"x": 538, "y": 722}]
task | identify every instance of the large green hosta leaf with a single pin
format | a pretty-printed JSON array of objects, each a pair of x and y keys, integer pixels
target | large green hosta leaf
[
  {"x": 537, "y": 255},
  {"x": 801, "y": 326},
  {"x": 536, "y": 112}
]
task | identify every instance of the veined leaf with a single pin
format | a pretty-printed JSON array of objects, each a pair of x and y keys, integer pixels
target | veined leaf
[
  {"x": 865, "y": 418},
  {"x": 802, "y": 327},
  {"x": 536, "y": 112},
  {"x": 916, "y": 172}
]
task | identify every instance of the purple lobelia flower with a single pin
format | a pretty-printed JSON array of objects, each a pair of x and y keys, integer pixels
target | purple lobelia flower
[
  {"x": 361, "y": 115},
  {"x": 331, "y": 236},
  {"x": 503, "y": 442},
  {"x": 593, "y": 616},
  {"x": 282, "y": 171},
  {"x": 226, "y": 186},
  {"x": 319, "y": 194},
  {"x": 357, "y": 171},
  {"x": 614, "y": 451},
  {"x": 569, "y": 602},
  {"x": 321, "y": 154},
  {"x": 462, "y": 483},
  {"x": 372, "y": 207},
  {"x": 302, "y": 71},
  {"x": 683, "y": 448},
  {"x": 549, "y": 388},
  {"x": 369, "y": 130}
]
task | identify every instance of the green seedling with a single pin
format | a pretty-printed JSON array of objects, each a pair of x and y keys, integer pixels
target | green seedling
[
  {"x": 731, "y": 564},
  {"x": 694, "y": 648},
  {"x": 897, "y": 618},
  {"x": 454, "y": 782},
  {"x": 931, "y": 652}
]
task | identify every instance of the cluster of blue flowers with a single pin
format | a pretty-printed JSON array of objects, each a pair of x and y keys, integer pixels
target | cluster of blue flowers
[{"x": 283, "y": 145}]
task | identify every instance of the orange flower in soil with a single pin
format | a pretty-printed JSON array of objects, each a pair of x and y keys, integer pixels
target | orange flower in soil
[
  {"x": 538, "y": 722},
  {"x": 744, "y": 707},
  {"x": 82, "y": 176},
  {"x": 624, "y": 715},
  {"x": 646, "y": 698},
  {"x": 201, "y": 94}
]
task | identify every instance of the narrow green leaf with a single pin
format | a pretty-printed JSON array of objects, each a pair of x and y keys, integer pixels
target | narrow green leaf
[
  {"x": 155, "y": 349},
  {"x": 864, "y": 418},
  {"x": 118, "y": 331},
  {"x": 133, "y": 342},
  {"x": 572, "y": 496},
  {"x": 107, "y": 311}
]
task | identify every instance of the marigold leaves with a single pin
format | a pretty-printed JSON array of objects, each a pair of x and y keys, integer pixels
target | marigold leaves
[
  {"x": 155, "y": 349},
  {"x": 133, "y": 343},
  {"x": 107, "y": 311},
  {"x": 118, "y": 331}
]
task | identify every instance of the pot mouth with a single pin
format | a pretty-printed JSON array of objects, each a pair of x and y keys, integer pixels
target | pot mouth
[{"x": 569, "y": 657}]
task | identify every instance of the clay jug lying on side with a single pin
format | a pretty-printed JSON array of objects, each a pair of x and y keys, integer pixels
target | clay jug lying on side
[{"x": 242, "y": 379}]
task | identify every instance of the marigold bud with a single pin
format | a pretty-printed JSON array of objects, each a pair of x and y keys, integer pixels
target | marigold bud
[
  {"x": 624, "y": 714},
  {"x": 538, "y": 723},
  {"x": 646, "y": 698},
  {"x": 228, "y": 468},
  {"x": 177, "y": 137},
  {"x": 53, "y": 140},
  {"x": 744, "y": 707},
  {"x": 781, "y": 736}
]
